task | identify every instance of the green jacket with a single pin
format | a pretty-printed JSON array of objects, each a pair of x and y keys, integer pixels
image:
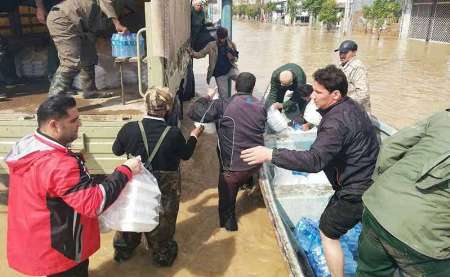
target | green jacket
[
  {"x": 410, "y": 196},
  {"x": 277, "y": 92}
]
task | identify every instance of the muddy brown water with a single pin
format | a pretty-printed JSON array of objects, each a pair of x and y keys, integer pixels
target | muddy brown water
[{"x": 409, "y": 80}]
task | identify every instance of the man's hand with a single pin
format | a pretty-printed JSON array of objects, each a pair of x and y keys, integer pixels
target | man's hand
[
  {"x": 198, "y": 131},
  {"x": 119, "y": 27},
  {"x": 191, "y": 52},
  {"x": 257, "y": 155},
  {"x": 134, "y": 164},
  {"x": 277, "y": 106},
  {"x": 41, "y": 13},
  {"x": 212, "y": 92},
  {"x": 230, "y": 56},
  {"x": 307, "y": 126}
]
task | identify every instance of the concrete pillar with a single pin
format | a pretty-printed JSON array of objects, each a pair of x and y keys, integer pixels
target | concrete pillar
[{"x": 406, "y": 19}]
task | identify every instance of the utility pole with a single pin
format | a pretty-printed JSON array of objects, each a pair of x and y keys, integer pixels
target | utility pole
[
  {"x": 227, "y": 14},
  {"x": 347, "y": 23}
]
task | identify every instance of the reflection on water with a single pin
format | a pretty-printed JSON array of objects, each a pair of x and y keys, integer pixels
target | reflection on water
[{"x": 408, "y": 79}]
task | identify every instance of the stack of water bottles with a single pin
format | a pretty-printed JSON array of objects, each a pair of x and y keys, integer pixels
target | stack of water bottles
[
  {"x": 308, "y": 236},
  {"x": 124, "y": 45}
]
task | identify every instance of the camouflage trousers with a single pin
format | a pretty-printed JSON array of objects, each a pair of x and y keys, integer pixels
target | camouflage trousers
[
  {"x": 76, "y": 52},
  {"x": 160, "y": 240}
]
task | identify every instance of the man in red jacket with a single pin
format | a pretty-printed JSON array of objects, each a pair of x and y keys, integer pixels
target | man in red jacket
[{"x": 53, "y": 201}]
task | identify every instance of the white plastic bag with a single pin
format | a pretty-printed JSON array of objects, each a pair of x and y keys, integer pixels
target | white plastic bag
[
  {"x": 311, "y": 114},
  {"x": 276, "y": 120},
  {"x": 137, "y": 207}
]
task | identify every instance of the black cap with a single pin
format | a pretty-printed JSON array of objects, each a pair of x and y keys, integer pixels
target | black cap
[{"x": 347, "y": 45}]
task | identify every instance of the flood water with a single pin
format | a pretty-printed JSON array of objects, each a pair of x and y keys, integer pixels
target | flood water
[{"x": 408, "y": 80}]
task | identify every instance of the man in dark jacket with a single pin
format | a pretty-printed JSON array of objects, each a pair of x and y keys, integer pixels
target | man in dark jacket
[
  {"x": 223, "y": 56},
  {"x": 289, "y": 77},
  {"x": 165, "y": 167},
  {"x": 241, "y": 123},
  {"x": 346, "y": 149},
  {"x": 53, "y": 201}
]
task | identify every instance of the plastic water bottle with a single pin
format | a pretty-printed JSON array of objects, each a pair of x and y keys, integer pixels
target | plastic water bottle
[
  {"x": 349, "y": 262},
  {"x": 308, "y": 236},
  {"x": 351, "y": 238},
  {"x": 123, "y": 46},
  {"x": 114, "y": 45},
  {"x": 126, "y": 42},
  {"x": 142, "y": 45},
  {"x": 119, "y": 42},
  {"x": 129, "y": 43},
  {"x": 133, "y": 45}
]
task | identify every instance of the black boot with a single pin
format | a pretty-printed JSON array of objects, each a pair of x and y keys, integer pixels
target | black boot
[
  {"x": 87, "y": 83},
  {"x": 166, "y": 256},
  {"x": 122, "y": 256}
]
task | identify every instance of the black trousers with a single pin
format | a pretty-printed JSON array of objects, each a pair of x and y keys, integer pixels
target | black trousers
[
  {"x": 80, "y": 270},
  {"x": 229, "y": 183}
]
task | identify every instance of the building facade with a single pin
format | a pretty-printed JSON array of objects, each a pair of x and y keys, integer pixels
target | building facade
[{"x": 428, "y": 20}]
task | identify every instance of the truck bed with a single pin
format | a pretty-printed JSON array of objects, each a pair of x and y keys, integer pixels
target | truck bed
[
  {"x": 101, "y": 120},
  {"x": 26, "y": 98}
]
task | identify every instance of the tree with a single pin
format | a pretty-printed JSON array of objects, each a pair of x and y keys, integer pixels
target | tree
[
  {"x": 269, "y": 8},
  {"x": 292, "y": 9},
  {"x": 329, "y": 13},
  {"x": 382, "y": 12},
  {"x": 313, "y": 7},
  {"x": 367, "y": 15}
]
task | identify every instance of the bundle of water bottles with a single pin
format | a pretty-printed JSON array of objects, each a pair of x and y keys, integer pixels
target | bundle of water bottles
[
  {"x": 308, "y": 236},
  {"x": 124, "y": 45}
]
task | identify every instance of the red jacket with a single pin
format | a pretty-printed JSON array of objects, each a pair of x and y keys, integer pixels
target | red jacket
[{"x": 53, "y": 206}]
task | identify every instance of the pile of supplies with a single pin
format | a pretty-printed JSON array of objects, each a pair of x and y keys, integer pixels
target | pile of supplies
[{"x": 307, "y": 236}]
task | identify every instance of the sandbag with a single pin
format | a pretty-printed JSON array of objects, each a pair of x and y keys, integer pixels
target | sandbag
[{"x": 137, "y": 207}]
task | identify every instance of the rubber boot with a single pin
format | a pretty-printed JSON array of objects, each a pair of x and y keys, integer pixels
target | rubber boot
[
  {"x": 87, "y": 83},
  {"x": 166, "y": 256},
  {"x": 61, "y": 83}
]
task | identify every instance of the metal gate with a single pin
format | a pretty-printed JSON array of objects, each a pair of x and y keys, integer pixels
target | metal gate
[{"x": 430, "y": 20}]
